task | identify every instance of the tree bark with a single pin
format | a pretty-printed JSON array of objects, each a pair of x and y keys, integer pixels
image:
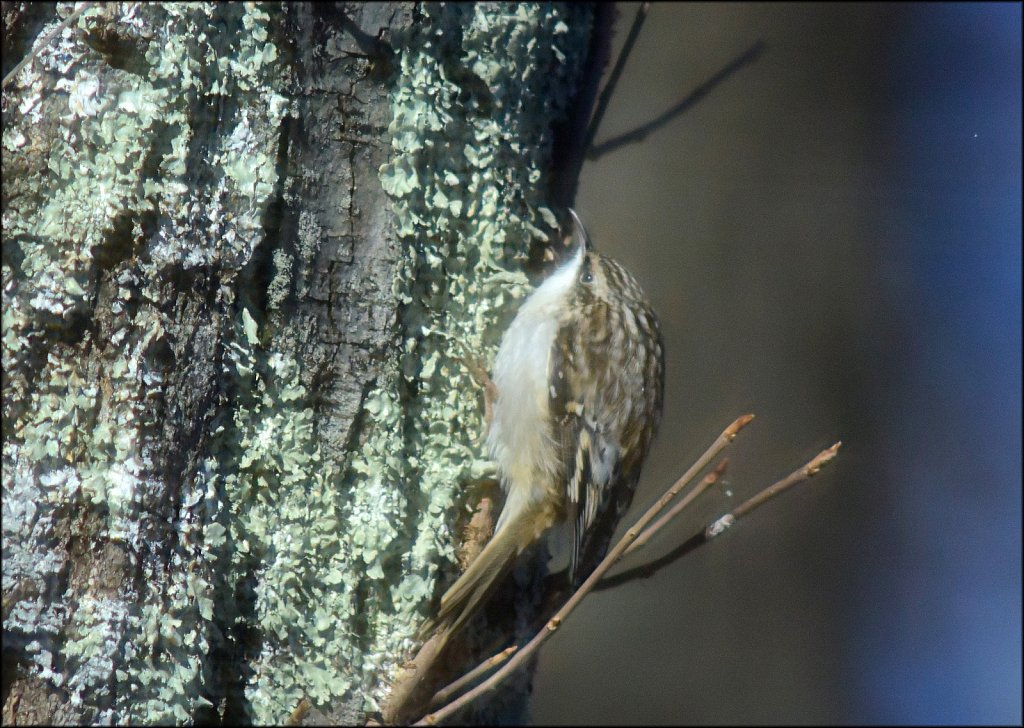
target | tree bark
[{"x": 244, "y": 248}]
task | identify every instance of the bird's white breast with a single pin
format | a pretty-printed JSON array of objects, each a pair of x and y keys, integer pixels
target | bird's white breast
[{"x": 520, "y": 439}]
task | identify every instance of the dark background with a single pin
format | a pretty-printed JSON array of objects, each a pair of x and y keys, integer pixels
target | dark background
[{"x": 832, "y": 239}]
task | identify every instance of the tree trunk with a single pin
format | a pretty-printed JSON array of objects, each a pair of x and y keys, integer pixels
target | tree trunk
[{"x": 244, "y": 247}]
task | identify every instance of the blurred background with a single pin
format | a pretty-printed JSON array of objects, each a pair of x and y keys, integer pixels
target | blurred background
[{"x": 832, "y": 239}]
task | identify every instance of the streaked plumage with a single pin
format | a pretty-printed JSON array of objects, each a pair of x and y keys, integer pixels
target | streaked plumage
[{"x": 579, "y": 376}]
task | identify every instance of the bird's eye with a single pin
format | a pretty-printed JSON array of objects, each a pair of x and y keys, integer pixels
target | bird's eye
[{"x": 587, "y": 277}]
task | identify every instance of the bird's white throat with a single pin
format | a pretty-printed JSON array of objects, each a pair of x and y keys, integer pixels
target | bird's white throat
[{"x": 520, "y": 439}]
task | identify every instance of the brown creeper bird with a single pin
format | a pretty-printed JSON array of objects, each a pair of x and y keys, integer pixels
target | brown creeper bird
[{"x": 579, "y": 377}]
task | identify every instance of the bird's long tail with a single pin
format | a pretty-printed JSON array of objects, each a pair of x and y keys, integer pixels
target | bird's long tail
[{"x": 471, "y": 590}]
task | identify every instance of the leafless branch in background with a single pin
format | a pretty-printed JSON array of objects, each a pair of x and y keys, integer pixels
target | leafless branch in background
[{"x": 641, "y": 132}]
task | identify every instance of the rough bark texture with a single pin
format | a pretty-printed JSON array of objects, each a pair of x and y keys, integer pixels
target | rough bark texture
[{"x": 243, "y": 246}]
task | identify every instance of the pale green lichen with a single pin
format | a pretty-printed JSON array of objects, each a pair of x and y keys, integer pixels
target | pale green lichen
[
  {"x": 279, "y": 286},
  {"x": 130, "y": 655},
  {"x": 465, "y": 177},
  {"x": 284, "y": 523},
  {"x": 346, "y": 562},
  {"x": 341, "y": 564}
]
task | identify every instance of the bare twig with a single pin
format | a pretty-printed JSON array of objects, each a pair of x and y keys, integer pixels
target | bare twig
[
  {"x": 613, "y": 78},
  {"x": 751, "y": 504},
  {"x": 445, "y": 694},
  {"x": 710, "y": 479},
  {"x": 44, "y": 43},
  {"x": 614, "y": 555},
  {"x": 722, "y": 524},
  {"x": 747, "y": 57}
]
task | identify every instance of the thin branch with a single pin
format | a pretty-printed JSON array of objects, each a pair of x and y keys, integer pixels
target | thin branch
[
  {"x": 710, "y": 479},
  {"x": 556, "y": 592},
  {"x": 45, "y": 42},
  {"x": 727, "y": 436},
  {"x": 797, "y": 476},
  {"x": 747, "y": 57},
  {"x": 613, "y": 79},
  {"x": 722, "y": 524},
  {"x": 445, "y": 694}
]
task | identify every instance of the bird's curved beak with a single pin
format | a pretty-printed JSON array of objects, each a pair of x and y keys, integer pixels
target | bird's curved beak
[{"x": 579, "y": 233}]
